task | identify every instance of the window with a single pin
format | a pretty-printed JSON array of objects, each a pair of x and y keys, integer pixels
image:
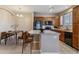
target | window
[
  {"x": 66, "y": 19},
  {"x": 61, "y": 20}
]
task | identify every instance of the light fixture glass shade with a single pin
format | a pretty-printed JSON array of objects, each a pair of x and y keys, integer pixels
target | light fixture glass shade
[
  {"x": 51, "y": 9},
  {"x": 19, "y": 15}
]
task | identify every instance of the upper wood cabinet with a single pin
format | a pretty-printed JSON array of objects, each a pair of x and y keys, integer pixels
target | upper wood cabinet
[
  {"x": 76, "y": 15},
  {"x": 44, "y": 19},
  {"x": 76, "y": 27},
  {"x": 38, "y": 18},
  {"x": 57, "y": 21}
]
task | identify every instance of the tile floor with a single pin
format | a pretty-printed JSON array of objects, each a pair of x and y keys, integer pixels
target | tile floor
[
  {"x": 65, "y": 49},
  {"x": 12, "y": 48}
]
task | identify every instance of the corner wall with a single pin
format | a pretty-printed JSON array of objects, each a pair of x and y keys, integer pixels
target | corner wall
[{"x": 7, "y": 21}]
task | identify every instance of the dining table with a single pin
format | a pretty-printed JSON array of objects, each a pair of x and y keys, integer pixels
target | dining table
[
  {"x": 13, "y": 33},
  {"x": 10, "y": 34}
]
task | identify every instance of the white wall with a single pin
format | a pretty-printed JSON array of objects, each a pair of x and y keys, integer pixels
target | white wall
[
  {"x": 7, "y": 20},
  {"x": 25, "y": 23}
]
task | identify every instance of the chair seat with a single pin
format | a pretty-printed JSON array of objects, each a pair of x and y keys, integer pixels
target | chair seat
[{"x": 27, "y": 39}]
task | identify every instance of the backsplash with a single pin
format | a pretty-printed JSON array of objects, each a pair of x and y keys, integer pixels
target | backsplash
[{"x": 68, "y": 27}]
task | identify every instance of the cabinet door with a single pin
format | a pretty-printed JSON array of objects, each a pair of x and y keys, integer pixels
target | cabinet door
[
  {"x": 75, "y": 15},
  {"x": 75, "y": 27},
  {"x": 57, "y": 21},
  {"x": 62, "y": 36},
  {"x": 75, "y": 42}
]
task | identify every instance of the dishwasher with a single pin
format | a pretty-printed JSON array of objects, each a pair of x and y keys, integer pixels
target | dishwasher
[{"x": 68, "y": 38}]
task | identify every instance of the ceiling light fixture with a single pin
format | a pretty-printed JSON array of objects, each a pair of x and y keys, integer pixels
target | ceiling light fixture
[
  {"x": 51, "y": 9},
  {"x": 19, "y": 14}
]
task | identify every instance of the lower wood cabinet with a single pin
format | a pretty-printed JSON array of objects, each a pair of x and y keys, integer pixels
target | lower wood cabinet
[
  {"x": 75, "y": 42},
  {"x": 61, "y": 37}
]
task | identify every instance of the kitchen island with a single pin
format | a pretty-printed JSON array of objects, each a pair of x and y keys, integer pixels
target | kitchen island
[{"x": 48, "y": 41}]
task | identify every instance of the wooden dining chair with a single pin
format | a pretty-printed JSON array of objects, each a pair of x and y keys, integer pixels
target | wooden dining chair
[
  {"x": 9, "y": 34},
  {"x": 27, "y": 39},
  {"x": 20, "y": 35},
  {"x": 3, "y": 36}
]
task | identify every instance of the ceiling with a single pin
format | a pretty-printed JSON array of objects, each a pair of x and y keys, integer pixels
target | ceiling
[{"x": 48, "y": 9}]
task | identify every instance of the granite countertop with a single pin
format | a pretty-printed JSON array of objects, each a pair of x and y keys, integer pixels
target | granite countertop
[
  {"x": 65, "y": 30},
  {"x": 50, "y": 32}
]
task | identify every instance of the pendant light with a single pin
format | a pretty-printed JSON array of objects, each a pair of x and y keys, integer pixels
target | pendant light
[{"x": 19, "y": 14}]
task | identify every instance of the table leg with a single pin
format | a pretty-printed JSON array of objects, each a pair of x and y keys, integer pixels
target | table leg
[
  {"x": 31, "y": 44},
  {"x": 5, "y": 41},
  {"x": 16, "y": 38},
  {"x": 0, "y": 41}
]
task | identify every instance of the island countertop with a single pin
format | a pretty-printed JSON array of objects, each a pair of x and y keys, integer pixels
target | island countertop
[{"x": 64, "y": 30}]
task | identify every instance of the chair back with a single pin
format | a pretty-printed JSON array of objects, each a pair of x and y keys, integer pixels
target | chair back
[
  {"x": 3, "y": 35},
  {"x": 20, "y": 35},
  {"x": 25, "y": 36}
]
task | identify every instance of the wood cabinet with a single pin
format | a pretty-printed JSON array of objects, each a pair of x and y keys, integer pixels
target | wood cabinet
[
  {"x": 39, "y": 18},
  {"x": 75, "y": 40},
  {"x": 61, "y": 37},
  {"x": 57, "y": 21}
]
